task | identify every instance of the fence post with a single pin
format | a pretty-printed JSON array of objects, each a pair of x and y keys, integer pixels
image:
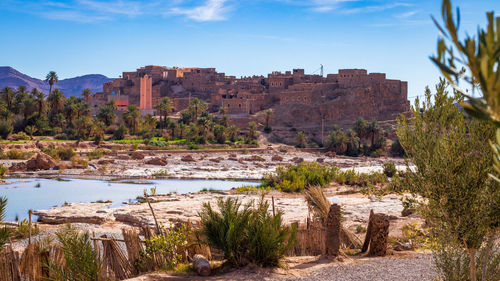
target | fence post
[
  {"x": 333, "y": 231},
  {"x": 29, "y": 226}
]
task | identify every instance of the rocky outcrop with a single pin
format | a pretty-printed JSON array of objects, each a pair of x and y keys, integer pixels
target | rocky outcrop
[
  {"x": 157, "y": 161},
  {"x": 40, "y": 161}
]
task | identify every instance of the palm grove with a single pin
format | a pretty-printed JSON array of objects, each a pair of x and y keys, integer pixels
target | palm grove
[{"x": 29, "y": 113}]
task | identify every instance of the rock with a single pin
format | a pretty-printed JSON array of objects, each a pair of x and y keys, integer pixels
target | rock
[
  {"x": 137, "y": 155},
  {"x": 407, "y": 212},
  {"x": 297, "y": 160},
  {"x": 330, "y": 154},
  {"x": 62, "y": 166},
  {"x": 277, "y": 158},
  {"x": 123, "y": 157},
  {"x": 216, "y": 160},
  {"x": 105, "y": 161},
  {"x": 157, "y": 161},
  {"x": 40, "y": 161},
  {"x": 255, "y": 158},
  {"x": 398, "y": 246},
  {"x": 201, "y": 265},
  {"x": 18, "y": 167},
  {"x": 320, "y": 160},
  {"x": 188, "y": 158}
]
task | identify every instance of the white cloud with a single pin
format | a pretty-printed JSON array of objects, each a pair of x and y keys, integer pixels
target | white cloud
[{"x": 212, "y": 10}]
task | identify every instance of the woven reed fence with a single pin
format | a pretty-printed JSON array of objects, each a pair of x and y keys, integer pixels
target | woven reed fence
[{"x": 311, "y": 240}]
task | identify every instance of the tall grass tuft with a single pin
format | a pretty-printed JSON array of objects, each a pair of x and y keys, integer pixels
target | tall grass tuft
[
  {"x": 317, "y": 202},
  {"x": 296, "y": 178}
]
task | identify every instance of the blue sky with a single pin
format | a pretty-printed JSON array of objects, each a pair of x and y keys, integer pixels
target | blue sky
[{"x": 77, "y": 37}]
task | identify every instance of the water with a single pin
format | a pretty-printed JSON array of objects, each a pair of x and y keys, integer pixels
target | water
[{"x": 37, "y": 194}]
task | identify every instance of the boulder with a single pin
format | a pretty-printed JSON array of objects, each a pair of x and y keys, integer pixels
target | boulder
[
  {"x": 18, "y": 167},
  {"x": 157, "y": 161},
  {"x": 40, "y": 161},
  {"x": 297, "y": 160},
  {"x": 255, "y": 158},
  {"x": 137, "y": 155},
  {"x": 277, "y": 158},
  {"x": 105, "y": 161},
  {"x": 330, "y": 154},
  {"x": 188, "y": 158},
  {"x": 320, "y": 160}
]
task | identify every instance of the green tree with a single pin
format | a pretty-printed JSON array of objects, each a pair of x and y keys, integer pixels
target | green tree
[
  {"x": 269, "y": 113},
  {"x": 301, "y": 140},
  {"x": 7, "y": 95},
  {"x": 52, "y": 79},
  {"x": 56, "y": 101},
  {"x": 233, "y": 132},
  {"x": 131, "y": 117},
  {"x": 220, "y": 134},
  {"x": 452, "y": 158},
  {"x": 86, "y": 93},
  {"x": 252, "y": 130},
  {"x": 337, "y": 140},
  {"x": 373, "y": 129},
  {"x": 39, "y": 99},
  {"x": 164, "y": 107},
  {"x": 83, "y": 128},
  {"x": 106, "y": 113}
]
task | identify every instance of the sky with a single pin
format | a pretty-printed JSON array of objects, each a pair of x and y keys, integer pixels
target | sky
[{"x": 242, "y": 38}]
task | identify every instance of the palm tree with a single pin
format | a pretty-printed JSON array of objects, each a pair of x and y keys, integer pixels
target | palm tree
[
  {"x": 56, "y": 101},
  {"x": 163, "y": 107},
  {"x": 86, "y": 93},
  {"x": 52, "y": 79},
  {"x": 7, "y": 95},
  {"x": 233, "y": 132},
  {"x": 301, "y": 139},
  {"x": 269, "y": 114},
  {"x": 39, "y": 98},
  {"x": 131, "y": 116},
  {"x": 106, "y": 113},
  {"x": 28, "y": 107},
  {"x": 252, "y": 130},
  {"x": 373, "y": 129}
]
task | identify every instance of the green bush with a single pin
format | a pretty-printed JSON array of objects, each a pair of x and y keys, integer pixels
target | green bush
[
  {"x": 23, "y": 231},
  {"x": 62, "y": 153},
  {"x": 3, "y": 170},
  {"x": 246, "y": 233},
  {"x": 19, "y": 136},
  {"x": 17, "y": 154},
  {"x": 4, "y": 231},
  {"x": 99, "y": 153},
  {"x": 268, "y": 239},
  {"x": 5, "y": 129},
  {"x": 298, "y": 177},
  {"x": 168, "y": 245},
  {"x": 82, "y": 261},
  {"x": 120, "y": 132},
  {"x": 390, "y": 169}
]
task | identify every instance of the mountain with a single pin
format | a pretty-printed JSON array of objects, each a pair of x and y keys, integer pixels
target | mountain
[{"x": 70, "y": 87}]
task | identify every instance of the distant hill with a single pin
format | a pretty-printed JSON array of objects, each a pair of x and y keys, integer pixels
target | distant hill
[{"x": 71, "y": 86}]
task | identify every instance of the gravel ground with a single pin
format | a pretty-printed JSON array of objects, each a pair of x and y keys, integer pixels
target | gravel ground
[{"x": 416, "y": 268}]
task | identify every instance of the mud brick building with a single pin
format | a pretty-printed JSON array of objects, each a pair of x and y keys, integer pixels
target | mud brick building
[{"x": 297, "y": 99}]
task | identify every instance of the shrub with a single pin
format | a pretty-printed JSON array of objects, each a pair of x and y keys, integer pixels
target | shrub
[
  {"x": 98, "y": 153},
  {"x": 23, "y": 231},
  {"x": 4, "y": 232},
  {"x": 3, "y": 170},
  {"x": 297, "y": 177},
  {"x": 120, "y": 132},
  {"x": 169, "y": 245},
  {"x": 269, "y": 240},
  {"x": 82, "y": 261},
  {"x": 5, "y": 129},
  {"x": 246, "y": 233},
  {"x": 17, "y": 154},
  {"x": 20, "y": 136},
  {"x": 390, "y": 169},
  {"x": 79, "y": 161},
  {"x": 62, "y": 153},
  {"x": 226, "y": 230},
  {"x": 397, "y": 150}
]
